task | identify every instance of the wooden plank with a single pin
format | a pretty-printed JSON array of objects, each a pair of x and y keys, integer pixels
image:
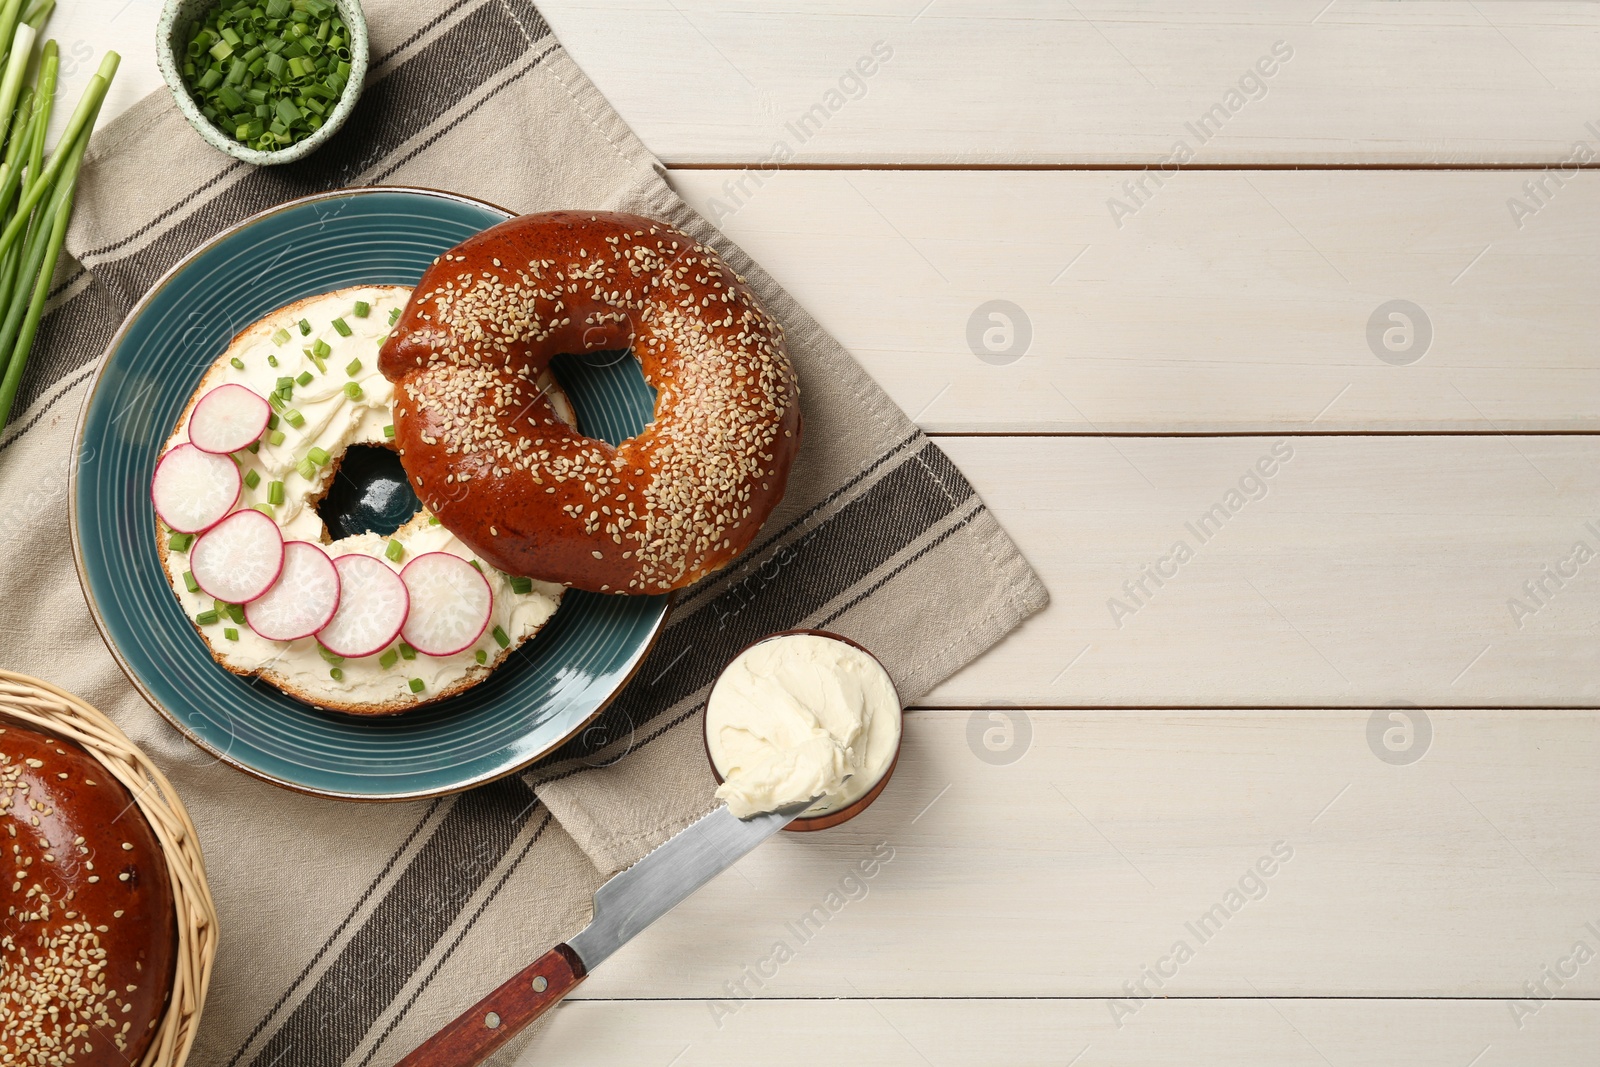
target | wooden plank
[
  {"x": 1229, "y": 301},
  {"x": 1048, "y": 1033},
  {"x": 1096, "y": 81},
  {"x": 1373, "y": 570},
  {"x": 1109, "y": 82},
  {"x": 1067, "y": 852}
]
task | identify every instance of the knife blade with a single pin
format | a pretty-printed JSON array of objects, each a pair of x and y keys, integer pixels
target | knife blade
[
  {"x": 666, "y": 876},
  {"x": 623, "y": 906}
]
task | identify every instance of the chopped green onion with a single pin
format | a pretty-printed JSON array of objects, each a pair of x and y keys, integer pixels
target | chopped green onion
[
  {"x": 476, "y": 565},
  {"x": 329, "y": 656},
  {"x": 265, "y": 509},
  {"x": 354, "y": 391},
  {"x": 318, "y": 456},
  {"x": 230, "y": 633},
  {"x": 362, "y": 309},
  {"x": 406, "y": 651},
  {"x": 276, "y": 400},
  {"x": 353, "y": 368},
  {"x": 283, "y": 58},
  {"x": 189, "y": 583},
  {"x": 272, "y": 420},
  {"x": 274, "y": 493},
  {"x": 322, "y": 350},
  {"x": 180, "y": 542},
  {"x": 394, "y": 316},
  {"x": 252, "y": 478},
  {"x": 336, "y": 674},
  {"x": 388, "y": 659},
  {"x": 253, "y": 447},
  {"x": 236, "y": 613},
  {"x": 320, "y": 363},
  {"x": 342, "y": 326},
  {"x": 272, "y": 361},
  {"x": 417, "y": 685},
  {"x": 304, "y": 378},
  {"x": 522, "y": 585},
  {"x": 481, "y": 656},
  {"x": 294, "y": 418},
  {"x": 285, "y": 387},
  {"x": 500, "y": 638},
  {"x": 238, "y": 364},
  {"x": 281, "y": 337},
  {"x": 206, "y": 618},
  {"x": 305, "y": 328},
  {"x": 394, "y": 550},
  {"x": 274, "y": 437},
  {"x": 306, "y": 469},
  {"x": 388, "y": 431}
]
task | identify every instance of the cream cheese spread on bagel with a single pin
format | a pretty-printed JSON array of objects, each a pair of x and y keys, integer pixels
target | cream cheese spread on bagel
[{"x": 315, "y": 363}]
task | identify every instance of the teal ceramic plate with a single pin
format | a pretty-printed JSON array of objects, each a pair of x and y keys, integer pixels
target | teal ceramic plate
[{"x": 542, "y": 696}]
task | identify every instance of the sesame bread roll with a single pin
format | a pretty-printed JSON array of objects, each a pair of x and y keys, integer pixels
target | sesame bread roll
[{"x": 86, "y": 955}]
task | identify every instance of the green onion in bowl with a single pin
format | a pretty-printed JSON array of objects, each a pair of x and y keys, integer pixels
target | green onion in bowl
[
  {"x": 266, "y": 81},
  {"x": 267, "y": 75}
]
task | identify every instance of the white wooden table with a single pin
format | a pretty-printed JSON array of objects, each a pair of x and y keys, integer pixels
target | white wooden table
[{"x": 1362, "y": 678}]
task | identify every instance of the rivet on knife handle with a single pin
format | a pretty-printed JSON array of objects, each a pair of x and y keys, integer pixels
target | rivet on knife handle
[{"x": 498, "y": 1017}]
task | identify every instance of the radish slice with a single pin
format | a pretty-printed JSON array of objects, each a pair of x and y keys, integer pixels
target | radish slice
[
  {"x": 192, "y": 490},
  {"x": 302, "y": 600},
  {"x": 227, "y": 419},
  {"x": 239, "y": 558},
  {"x": 450, "y": 604},
  {"x": 373, "y": 604}
]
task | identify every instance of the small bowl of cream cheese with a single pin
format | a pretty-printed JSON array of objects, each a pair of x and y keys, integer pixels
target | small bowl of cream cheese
[{"x": 801, "y": 714}]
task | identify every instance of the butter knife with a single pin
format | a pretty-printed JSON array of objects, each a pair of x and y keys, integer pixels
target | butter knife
[{"x": 623, "y": 906}]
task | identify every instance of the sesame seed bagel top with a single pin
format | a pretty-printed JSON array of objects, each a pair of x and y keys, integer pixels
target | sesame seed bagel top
[{"x": 487, "y": 454}]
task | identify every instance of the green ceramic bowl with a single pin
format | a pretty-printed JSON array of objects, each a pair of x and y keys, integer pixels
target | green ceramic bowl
[
  {"x": 179, "y": 14},
  {"x": 543, "y": 695}
]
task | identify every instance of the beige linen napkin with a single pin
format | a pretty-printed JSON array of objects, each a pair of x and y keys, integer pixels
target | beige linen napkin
[{"x": 350, "y": 932}]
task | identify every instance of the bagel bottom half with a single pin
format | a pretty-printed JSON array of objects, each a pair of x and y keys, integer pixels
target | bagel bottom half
[{"x": 302, "y": 344}]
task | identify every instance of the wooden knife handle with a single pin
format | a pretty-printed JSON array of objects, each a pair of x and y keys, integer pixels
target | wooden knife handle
[{"x": 501, "y": 1015}]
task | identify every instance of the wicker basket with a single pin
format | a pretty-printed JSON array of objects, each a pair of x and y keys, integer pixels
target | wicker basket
[{"x": 40, "y": 704}]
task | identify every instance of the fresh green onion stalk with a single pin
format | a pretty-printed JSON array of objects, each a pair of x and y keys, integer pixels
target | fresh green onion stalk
[{"x": 36, "y": 192}]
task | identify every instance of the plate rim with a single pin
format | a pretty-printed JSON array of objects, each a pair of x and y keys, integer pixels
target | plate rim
[{"x": 94, "y": 607}]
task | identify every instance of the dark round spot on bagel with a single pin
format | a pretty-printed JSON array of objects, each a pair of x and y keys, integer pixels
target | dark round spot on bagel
[
  {"x": 607, "y": 375},
  {"x": 369, "y": 494}
]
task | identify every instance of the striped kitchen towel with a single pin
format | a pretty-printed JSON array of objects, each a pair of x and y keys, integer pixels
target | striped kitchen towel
[{"x": 350, "y": 932}]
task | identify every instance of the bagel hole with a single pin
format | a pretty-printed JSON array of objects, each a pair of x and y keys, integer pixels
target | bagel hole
[
  {"x": 369, "y": 494},
  {"x": 613, "y": 391}
]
